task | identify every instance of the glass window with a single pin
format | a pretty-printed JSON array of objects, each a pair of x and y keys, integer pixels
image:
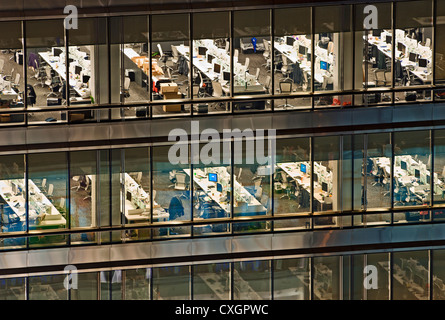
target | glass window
[
  {"x": 136, "y": 192},
  {"x": 292, "y": 54},
  {"x": 88, "y": 66},
  {"x": 410, "y": 275},
  {"x": 376, "y": 183},
  {"x": 376, "y": 276},
  {"x": 47, "y": 287},
  {"x": 12, "y": 289},
  {"x": 439, "y": 168},
  {"x": 211, "y": 281},
  {"x": 413, "y": 47},
  {"x": 86, "y": 287},
  {"x": 171, "y": 184},
  {"x": 83, "y": 186},
  {"x": 171, "y": 69},
  {"x": 251, "y": 280},
  {"x": 439, "y": 35},
  {"x": 111, "y": 285},
  {"x": 292, "y": 279},
  {"x": 333, "y": 52},
  {"x": 137, "y": 284},
  {"x": 292, "y": 180},
  {"x": 326, "y": 277},
  {"x": 251, "y": 75},
  {"x": 438, "y": 260},
  {"x": 12, "y": 85},
  {"x": 211, "y": 58},
  {"x": 373, "y": 52},
  {"x": 412, "y": 167},
  {"x": 47, "y": 194},
  {"x": 171, "y": 283},
  {"x": 46, "y": 74},
  {"x": 212, "y": 187}
]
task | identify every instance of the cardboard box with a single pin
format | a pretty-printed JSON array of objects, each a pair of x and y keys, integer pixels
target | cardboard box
[
  {"x": 168, "y": 87},
  {"x": 172, "y": 107}
]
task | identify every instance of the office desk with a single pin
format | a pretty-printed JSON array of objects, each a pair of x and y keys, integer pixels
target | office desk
[
  {"x": 252, "y": 207},
  {"x": 142, "y": 72},
  {"x": 136, "y": 214},
  {"x": 59, "y": 66}
]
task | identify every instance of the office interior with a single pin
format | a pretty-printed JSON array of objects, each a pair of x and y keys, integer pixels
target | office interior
[
  {"x": 403, "y": 275},
  {"x": 312, "y": 183}
]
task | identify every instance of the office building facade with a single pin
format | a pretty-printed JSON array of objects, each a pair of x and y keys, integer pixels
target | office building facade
[{"x": 222, "y": 150}]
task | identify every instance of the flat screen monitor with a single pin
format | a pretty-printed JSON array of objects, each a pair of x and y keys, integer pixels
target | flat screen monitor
[
  {"x": 57, "y": 52},
  {"x": 403, "y": 165},
  {"x": 128, "y": 196},
  {"x": 303, "y": 168},
  {"x": 226, "y": 76},
  {"x": 423, "y": 63},
  {"x": 388, "y": 39},
  {"x": 301, "y": 49},
  {"x": 210, "y": 58},
  {"x": 401, "y": 47},
  {"x": 315, "y": 177},
  {"x": 324, "y": 186},
  {"x": 323, "y": 65},
  {"x": 202, "y": 51},
  {"x": 219, "y": 187},
  {"x": 309, "y": 57},
  {"x": 77, "y": 69},
  {"x": 213, "y": 177},
  {"x": 85, "y": 79},
  {"x": 412, "y": 57},
  {"x": 428, "y": 181},
  {"x": 290, "y": 41},
  {"x": 216, "y": 68},
  {"x": 417, "y": 173},
  {"x": 376, "y": 33}
]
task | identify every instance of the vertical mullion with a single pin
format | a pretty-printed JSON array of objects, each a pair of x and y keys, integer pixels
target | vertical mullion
[
  {"x": 272, "y": 56},
  {"x": 433, "y": 44},
  {"x": 25, "y": 72},
  {"x": 311, "y": 142},
  {"x": 150, "y": 150},
  {"x": 391, "y": 183},
  {"x": 26, "y": 158},
  {"x": 231, "y": 51},
  {"x": 312, "y": 55},
  {"x": 393, "y": 57},
  {"x": 190, "y": 90},
  {"x": 150, "y": 80}
]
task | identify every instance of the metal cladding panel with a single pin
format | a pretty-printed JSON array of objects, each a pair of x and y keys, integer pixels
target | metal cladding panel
[
  {"x": 10, "y": 260},
  {"x": 89, "y": 132},
  {"x": 411, "y": 233},
  {"x": 331, "y": 238},
  {"x": 297, "y": 120},
  {"x": 48, "y": 257},
  {"x": 367, "y": 236},
  {"x": 130, "y": 130},
  {"x": 415, "y": 112},
  {"x": 301, "y": 240},
  {"x": 372, "y": 115},
  {"x": 174, "y": 248},
  {"x": 47, "y": 134},
  {"x": 254, "y": 122},
  {"x": 252, "y": 243},
  {"x": 211, "y": 246},
  {"x": 162, "y": 127},
  {"x": 332, "y": 118},
  {"x": 135, "y": 251},
  {"x": 12, "y": 136},
  {"x": 88, "y": 255}
]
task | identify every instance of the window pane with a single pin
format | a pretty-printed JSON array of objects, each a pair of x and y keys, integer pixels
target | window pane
[
  {"x": 211, "y": 281},
  {"x": 137, "y": 284},
  {"x": 251, "y": 280},
  {"x": 412, "y": 161},
  {"x": 171, "y": 283},
  {"x": 376, "y": 276},
  {"x": 251, "y": 76},
  {"x": 326, "y": 278},
  {"x": 12, "y": 289},
  {"x": 439, "y": 35},
  {"x": 86, "y": 287},
  {"x": 168, "y": 31},
  {"x": 292, "y": 56},
  {"x": 47, "y": 287},
  {"x": 410, "y": 280},
  {"x": 438, "y": 274},
  {"x": 46, "y": 61},
  {"x": 439, "y": 167},
  {"x": 291, "y": 279},
  {"x": 47, "y": 185}
]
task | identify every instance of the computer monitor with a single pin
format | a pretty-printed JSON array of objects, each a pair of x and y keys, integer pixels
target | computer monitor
[
  {"x": 417, "y": 173},
  {"x": 423, "y": 63},
  {"x": 226, "y": 76},
  {"x": 324, "y": 186},
  {"x": 128, "y": 195},
  {"x": 323, "y": 65},
  {"x": 403, "y": 165},
  {"x": 85, "y": 79},
  {"x": 388, "y": 39},
  {"x": 210, "y": 58},
  {"x": 375, "y": 33},
  {"x": 412, "y": 57},
  {"x": 401, "y": 47},
  {"x": 213, "y": 177},
  {"x": 216, "y": 68},
  {"x": 219, "y": 187},
  {"x": 428, "y": 180},
  {"x": 301, "y": 49},
  {"x": 315, "y": 177},
  {"x": 303, "y": 168},
  {"x": 290, "y": 41},
  {"x": 77, "y": 70},
  {"x": 15, "y": 188},
  {"x": 309, "y": 57},
  {"x": 202, "y": 51},
  {"x": 57, "y": 52}
]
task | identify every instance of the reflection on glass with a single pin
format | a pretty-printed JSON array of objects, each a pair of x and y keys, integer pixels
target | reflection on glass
[
  {"x": 86, "y": 287},
  {"x": 47, "y": 287},
  {"x": 291, "y": 279},
  {"x": 137, "y": 284},
  {"x": 326, "y": 278},
  {"x": 12, "y": 289},
  {"x": 171, "y": 283},
  {"x": 211, "y": 281},
  {"x": 410, "y": 279},
  {"x": 251, "y": 280}
]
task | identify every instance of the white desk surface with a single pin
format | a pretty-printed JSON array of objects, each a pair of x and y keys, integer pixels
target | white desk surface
[{"x": 210, "y": 189}]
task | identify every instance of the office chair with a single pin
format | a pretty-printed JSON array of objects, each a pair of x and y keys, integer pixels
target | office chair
[
  {"x": 62, "y": 203},
  {"x": 239, "y": 174},
  {"x": 380, "y": 77},
  {"x": 2, "y": 64},
  {"x": 227, "y": 48},
  {"x": 285, "y": 87},
  {"x": 246, "y": 64},
  {"x": 126, "y": 87},
  {"x": 180, "y": 181},
  {"x": 163, "y": 58},
  {"x": 50, "y": 191},
  {"x": 218, "y": 93},
  {"x": 175, "y": 59},
  {"x": 268, "y": 84},
  {"x": 257, "y": 75},
  {"x": 56, "y": 87},
  {"x": 285, "y": 68},
  {"x": 76, "y": 179},
  {"x": 16, "y": 83},
  {"x": 266, "y": 55},
  {"x": 236, "y": 55},
  {"x": 331, "y": 47}
]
